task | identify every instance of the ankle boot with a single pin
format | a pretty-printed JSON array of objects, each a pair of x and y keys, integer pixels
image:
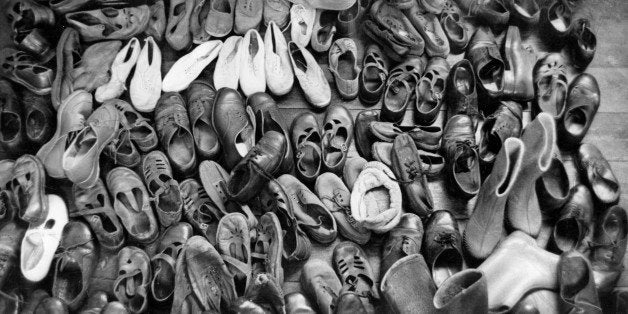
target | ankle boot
[
  {"x": 464, "y": 292},
  {"x": 486, "y": 224},
  {"x": 516, "y": 267},
  {"x": 539, "y": 139}
]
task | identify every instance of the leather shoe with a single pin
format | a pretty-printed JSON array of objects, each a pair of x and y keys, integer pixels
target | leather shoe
[
  {"x": 462, "y": 161},
  {"x": 343, "y": 64},
  {"x": 199, "y": 210},
  {"x": 39, "y": 118},
  {"x": 178, "y": 33},
  {"x": 575, "y": 222},
  {"x": 492, "y": 12},
  {"x": 451, "y": 20},
  {"x": 576, "y": 284},
  {"x": 517, "y": 77},
  {"x": 555, "y": 20},
  {"x": 352, "y": 169},
  {"x": 13, "y": 131},
  {"x": 163, "y": 188},
  {"x": 403, "y": 240},
  {"x": 199, "y": 97},
  {"x": 550, "y": 86},
  {"x": 461, "y": 95},
  {"x": 443, "y": 246},
  {"x": 169, "y": 248},
  {"x": 363, "y": 137},
  {"x": 297, "y": 303},
  {"x": 233, "y": 125},
  {"x": 609, "y": 247},
  {"x": 173, "y": 127},
  {"x": 110, "y": 23},
  {"x": 582, "y": 43},
  {"x": 552, "y": 188},
  {"x": 524, "y": 13},
  {"x": 337, "y": 137},
  {"x": 409, "y": 171},
  {"x": 503, "y": 123},
  {"x": 306, "y": 139},
  {"x": 234, "y": 244},
  {"x": 374, "y": 75},
  {"x": 426, "y": 23},
  {"x": 27, "y": 183},
  {"x": 355, "y": 272},
  {"x": 598, "y": 173},
  {"x": 486, "y": 59},
  {"x": 320, "y": 283},
  {"x": 254, "y": 170},
  {"x": 583, "y": 101},
  {"x": 134, "y": 275},
  {"x": 425, "y": 137},
  {"x": 11, "y": 236}
]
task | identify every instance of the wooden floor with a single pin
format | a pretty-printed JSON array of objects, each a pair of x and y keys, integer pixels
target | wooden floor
[{"x": 609, "y": 130}]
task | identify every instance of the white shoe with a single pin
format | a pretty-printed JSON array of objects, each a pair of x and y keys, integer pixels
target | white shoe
[
  {"x": 120, "y": 68},
  {"x": 227, "y": 71},
  {"x": 190, "y": 66},
  {"x": 310, "y": 76},
  {"x": 252, "y": 69},
  {"x": 146, "y": 82},
  {"x": 302, "y": 21},
  {"x": 41, "y": 241},
  {"x": 279, "y": 75}
]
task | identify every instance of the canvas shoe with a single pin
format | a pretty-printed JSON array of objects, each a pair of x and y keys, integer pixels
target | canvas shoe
[
  {"x": 146, "y": 83},
  {"x": 252, "y": 70},
  {"x": 123, "y": 63},
  {"x": 227, "y": 71},
  {"x": 279, "y": 74},
  {"x": 310, "y": 76},
  {"x": 302, "y": 20},
  {"x": 190, "y": 66}
]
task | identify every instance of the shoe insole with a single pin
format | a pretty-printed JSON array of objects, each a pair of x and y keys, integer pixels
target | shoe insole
[
  {"x": 376, "y": 200},
  {"x": 179, "y": 148},
  {"x": 559, "y": 19},
  {"x": 68, "y": 279},
  {"x": 396, "y": 96},
  {"x": 310, "y": 163},
  {"x": 35, "y": 123},
  {"x": 372, "y": 79},
  {"x": 455, "y": 30},
  {"x": 204, "y": 136},
  {"x": 346, "y": 67},
  {"x": 575, "y": 121},
  {"x": 463, "y": 80},
  {"x": 169, "y": 200}
]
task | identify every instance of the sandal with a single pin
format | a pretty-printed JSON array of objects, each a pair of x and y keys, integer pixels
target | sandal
[
  {"x": 131, "y": 286},
  {"x": 373, "y": 77},
  {"x": 234, "y": 243},
  {"x": 163, "y": 263},
  {"x": 94, "y": 205},
  {"x": 163, "y": 188},
  {"x": 337, "y": 137},
  {"x": 23, "y": 69},
  {"x": 353, "y": 268},
  {"x": 141, "y": 132},
  {"x": 267, "y": 247},
  {"x": 27, "y": 183},
  {"x": 430, "y": 90},
  {"x": 306, "y": 139},
  {"x": 199, "y": 210}
]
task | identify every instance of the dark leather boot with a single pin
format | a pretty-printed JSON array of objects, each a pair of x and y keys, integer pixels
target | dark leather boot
[
  {"x": 486, "y": 224},
  {"x": 463, "y": 292},
  {"x": 539, "y": 140}
]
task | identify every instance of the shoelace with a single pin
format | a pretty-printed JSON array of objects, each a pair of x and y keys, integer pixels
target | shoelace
[
  {"x": 343, "y": 208},
  {"x": 63, "y": 253}
]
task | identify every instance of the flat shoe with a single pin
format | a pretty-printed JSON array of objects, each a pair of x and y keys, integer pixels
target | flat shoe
[
  {"x": 175, "y": 136},
  {"x": 145, "y": 87},
  {"x": 178, "y": 33},
  {"x": 220, "y": 18},
  {"x": 27, "y": 184},
  {"x": 227, "y": 71},
  {"x": 22, "y": 69},
  {"x": 110, "y": 23},
  {"x": 163, "y": 188},
  {"x": 171, "y": 243},
  {"x": 306, "y": 139},
  {"x": 134, "y": 273},
  {"x": 337, "y": 137},
  {"x": 310, "y": 76},
  {"x": 199, "y": 98},
  {"x": 187, "y": 68}
]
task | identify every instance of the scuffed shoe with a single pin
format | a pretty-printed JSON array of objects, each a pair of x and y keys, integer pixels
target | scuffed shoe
[
  {"x": 178, "y": 33},
  {"x": 248, "y": 15},
  {"x": 110, "y": 23}
]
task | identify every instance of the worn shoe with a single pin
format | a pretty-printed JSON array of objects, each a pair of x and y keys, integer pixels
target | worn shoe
[
  {"x": 267, "y": 251},
  {"x": 337, "y": 137},
  {"x": 463, "y": 291},
  {"x": 23, "y": 69},
  {"x": 81, "y": 157},
  {"x": 399, "y": 26},
  {"x": 254, "y": 170},
  {"x": 95, "y": 206},
  {"x": 581, "y": 43},
  {"x": 178, "y": 33},
  {"x": 214, "y": 179},
  {"x": 27, "y": 184},
  {"x": 164, "y": 190},
  {"x": 525, "y": 13},
  {"x": 157, "y": 23},
  {"x": 583, "y": 101},
  {"x": 539, "y": 140},
  {"x": 320, "y": 283},
  {"x": 486, "y": 224},
  {"x": 198, "y": 18},
  {"x": 199, "y": 210},
  {"x": 76, "y": 259},
  {"x": 313, "y": 216},
  {"x": 42, "y": 239},
  {"x": 206, "y": 270},
  {"x": 461, "y": 96},
  {"x": 173, "y": 128},
  {"x": 233, "y": 241},
  {"x": 95, "y": 64},
  {"x": 463, "y": 165},
  {"x": 264, "y": 292},
  {"x": 39, "y": 119},
  {"x": 323, "y": 30},
  {"x": 227, "y": 71},
  {"x": 13, "y": 133},
  {"x": 279, "y": 74},
  {"x": 187, "y": 68},
  {"x": 248, "y": 15},
  {"x": 269, "y": 118},
  {"x": 598, "y": 173},
  {"x": 403, "y": 240},
  {"x": 487, "y": 61},
  {"x": 363, "y": 137},
  {"x": 170, "y": 245},
  {"x": 140, "y": 129},
  {"x": 134, "y": 275},
  {"x": 517, "y": 80},
  {"x": 11, "y": 236},
  {"x": 220, "y": 18},
  {"x": 425, "y": 137},
  {"x": 550, "y": 86},
  {"x": 371, "y": 206},
  {"x": 407, "y": 285},
  {"x": 68, "y": 56},
  {"x": 336, "y": 197},
  {"x": 409, "y": 171},
  {"x": 110, "y": 23},
  {"x": 298, "y": 303},
  {"x": 296, "y": 245},
  {"x": 575, "y": 220},
  {"x": 429, "y": 92},
  {"x": 503, "y": 123},
  {"x": 443, "y": 246},
  {"x": 609, "y": 248},
  {"x": 200, "y": 97},
  {"x": 233, "y": 125},
  {"x": 306, "y": 139},
  {"x": 277, "y": 11},
  {"x": 374, "y": 75},
  {"x": 451, "y": 20},
  {"x": 396, "y": 98},
  {"x": 120, "y": 68},
  {"x": 343, "y": 65},
  {"x": 432, "y": 163},
  {"x": 426, "y": 23},
  {"x": 131, "y": 203},
  {"x": 353, "y": 268},
  {"x": 252, "y": 57},
  {"x": 492, "y": 12},
  {"x": 310, "y": 76},
  {"x": 515, "y": 255},
  {"x": 302, "y": 22},
  {"x": 576, "y": 284},
  {"x": 145, "y": 88}
]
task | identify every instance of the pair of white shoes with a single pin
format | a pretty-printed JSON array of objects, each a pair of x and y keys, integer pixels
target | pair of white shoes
[
  {"x": 41, "y": 241},
  {"x": 145, "y": 88},
  {"x": 254, "y": 63}
]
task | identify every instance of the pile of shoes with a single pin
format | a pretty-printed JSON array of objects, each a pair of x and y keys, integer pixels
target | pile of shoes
[{"x": 171, "y": 181}]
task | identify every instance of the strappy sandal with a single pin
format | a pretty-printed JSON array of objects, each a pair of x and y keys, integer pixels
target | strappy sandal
[
  {"x": 122, "y": 151},
  {"x": 453, "y": 26},
  {"x": 373, "y": 77},
  {"x": 141, "y": 132},
  {"x": 199, "y": 210},
  {"x": 296, "y": 245},
  {"x": 430, "y": 90},
  {"x": 337, "y": 137},
  {"x": 163, "y": 188},
  {"x": 94, "y": 205},
  {"x": 234, "y": 243},
  {"x": 34, "y": 42},
  {"x": 353, "y": 268},
  {"x": 27, "y": 183},
  {"x": 134, "y": 274},
  {"x": 268, "y": 246},
  {"x": 163, "y": 263},
  {"x": 306, "y": 138},
  {"x": 23, "y": 69}
]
